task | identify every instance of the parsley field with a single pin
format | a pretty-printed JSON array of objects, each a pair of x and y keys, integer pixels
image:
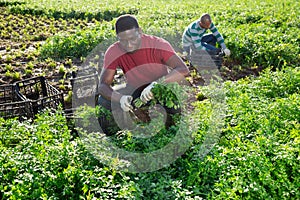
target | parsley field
[{"x": 256, "y": 154}]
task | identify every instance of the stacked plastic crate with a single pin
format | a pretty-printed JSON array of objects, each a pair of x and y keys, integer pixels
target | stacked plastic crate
[{"x": 27, "y": 97}]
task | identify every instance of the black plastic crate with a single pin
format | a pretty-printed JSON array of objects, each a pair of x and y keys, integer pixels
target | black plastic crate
[
  {"x": 12, "y": 104},
  {"x": 41, "y": 94},
  {"x": 84, "y": 83}
]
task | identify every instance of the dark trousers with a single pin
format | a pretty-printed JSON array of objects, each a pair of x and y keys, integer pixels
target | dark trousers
[{"x": 208, "y": 41}]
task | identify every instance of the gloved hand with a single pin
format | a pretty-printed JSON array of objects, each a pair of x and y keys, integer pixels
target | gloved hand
[
  {"x": 125, "y": 102},
  {"x": 185, "y": 54},
  {"x": 146, "y": 93},
  {"x": 227, "y": 52}
]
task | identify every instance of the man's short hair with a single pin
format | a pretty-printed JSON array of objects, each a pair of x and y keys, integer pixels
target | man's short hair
[
  {"x": 205, "y": 18},
  {"x": 126, "y": 22}
]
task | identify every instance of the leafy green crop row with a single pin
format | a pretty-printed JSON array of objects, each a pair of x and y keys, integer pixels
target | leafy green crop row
[
  {"x": 41, "y": 160},
  {"x": 257, "y": 156},
  {"x": 265, "y": 36},
  {"x": 76, "y": 9},
  {"x": 76, "y": 45}
]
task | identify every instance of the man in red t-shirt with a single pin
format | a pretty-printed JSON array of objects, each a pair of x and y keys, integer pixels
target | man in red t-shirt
[{"x": 144, "y": 59}]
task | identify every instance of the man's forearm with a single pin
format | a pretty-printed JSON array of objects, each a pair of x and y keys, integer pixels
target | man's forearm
[
  {"x": 108, "y": 93},
  {"x": 176, "y": 75}
]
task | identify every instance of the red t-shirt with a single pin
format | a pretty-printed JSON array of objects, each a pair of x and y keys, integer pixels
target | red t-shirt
[{"x": 143, "y": 66}]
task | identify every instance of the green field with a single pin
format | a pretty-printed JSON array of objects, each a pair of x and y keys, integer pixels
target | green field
[{"x": 255, "y": 112}]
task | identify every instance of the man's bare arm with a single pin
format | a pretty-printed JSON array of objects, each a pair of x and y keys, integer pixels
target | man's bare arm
[
  {"x": 179, "y": 69},
  {"x": 105, "y": 89}
]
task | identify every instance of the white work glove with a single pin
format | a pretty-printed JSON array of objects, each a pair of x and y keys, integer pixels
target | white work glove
[
  {"x": 185, "y": 54},
  {"x": 125, "y": 102},
  {"x": 147, "y": 95},
  {"x": 227, "y": 52}
]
